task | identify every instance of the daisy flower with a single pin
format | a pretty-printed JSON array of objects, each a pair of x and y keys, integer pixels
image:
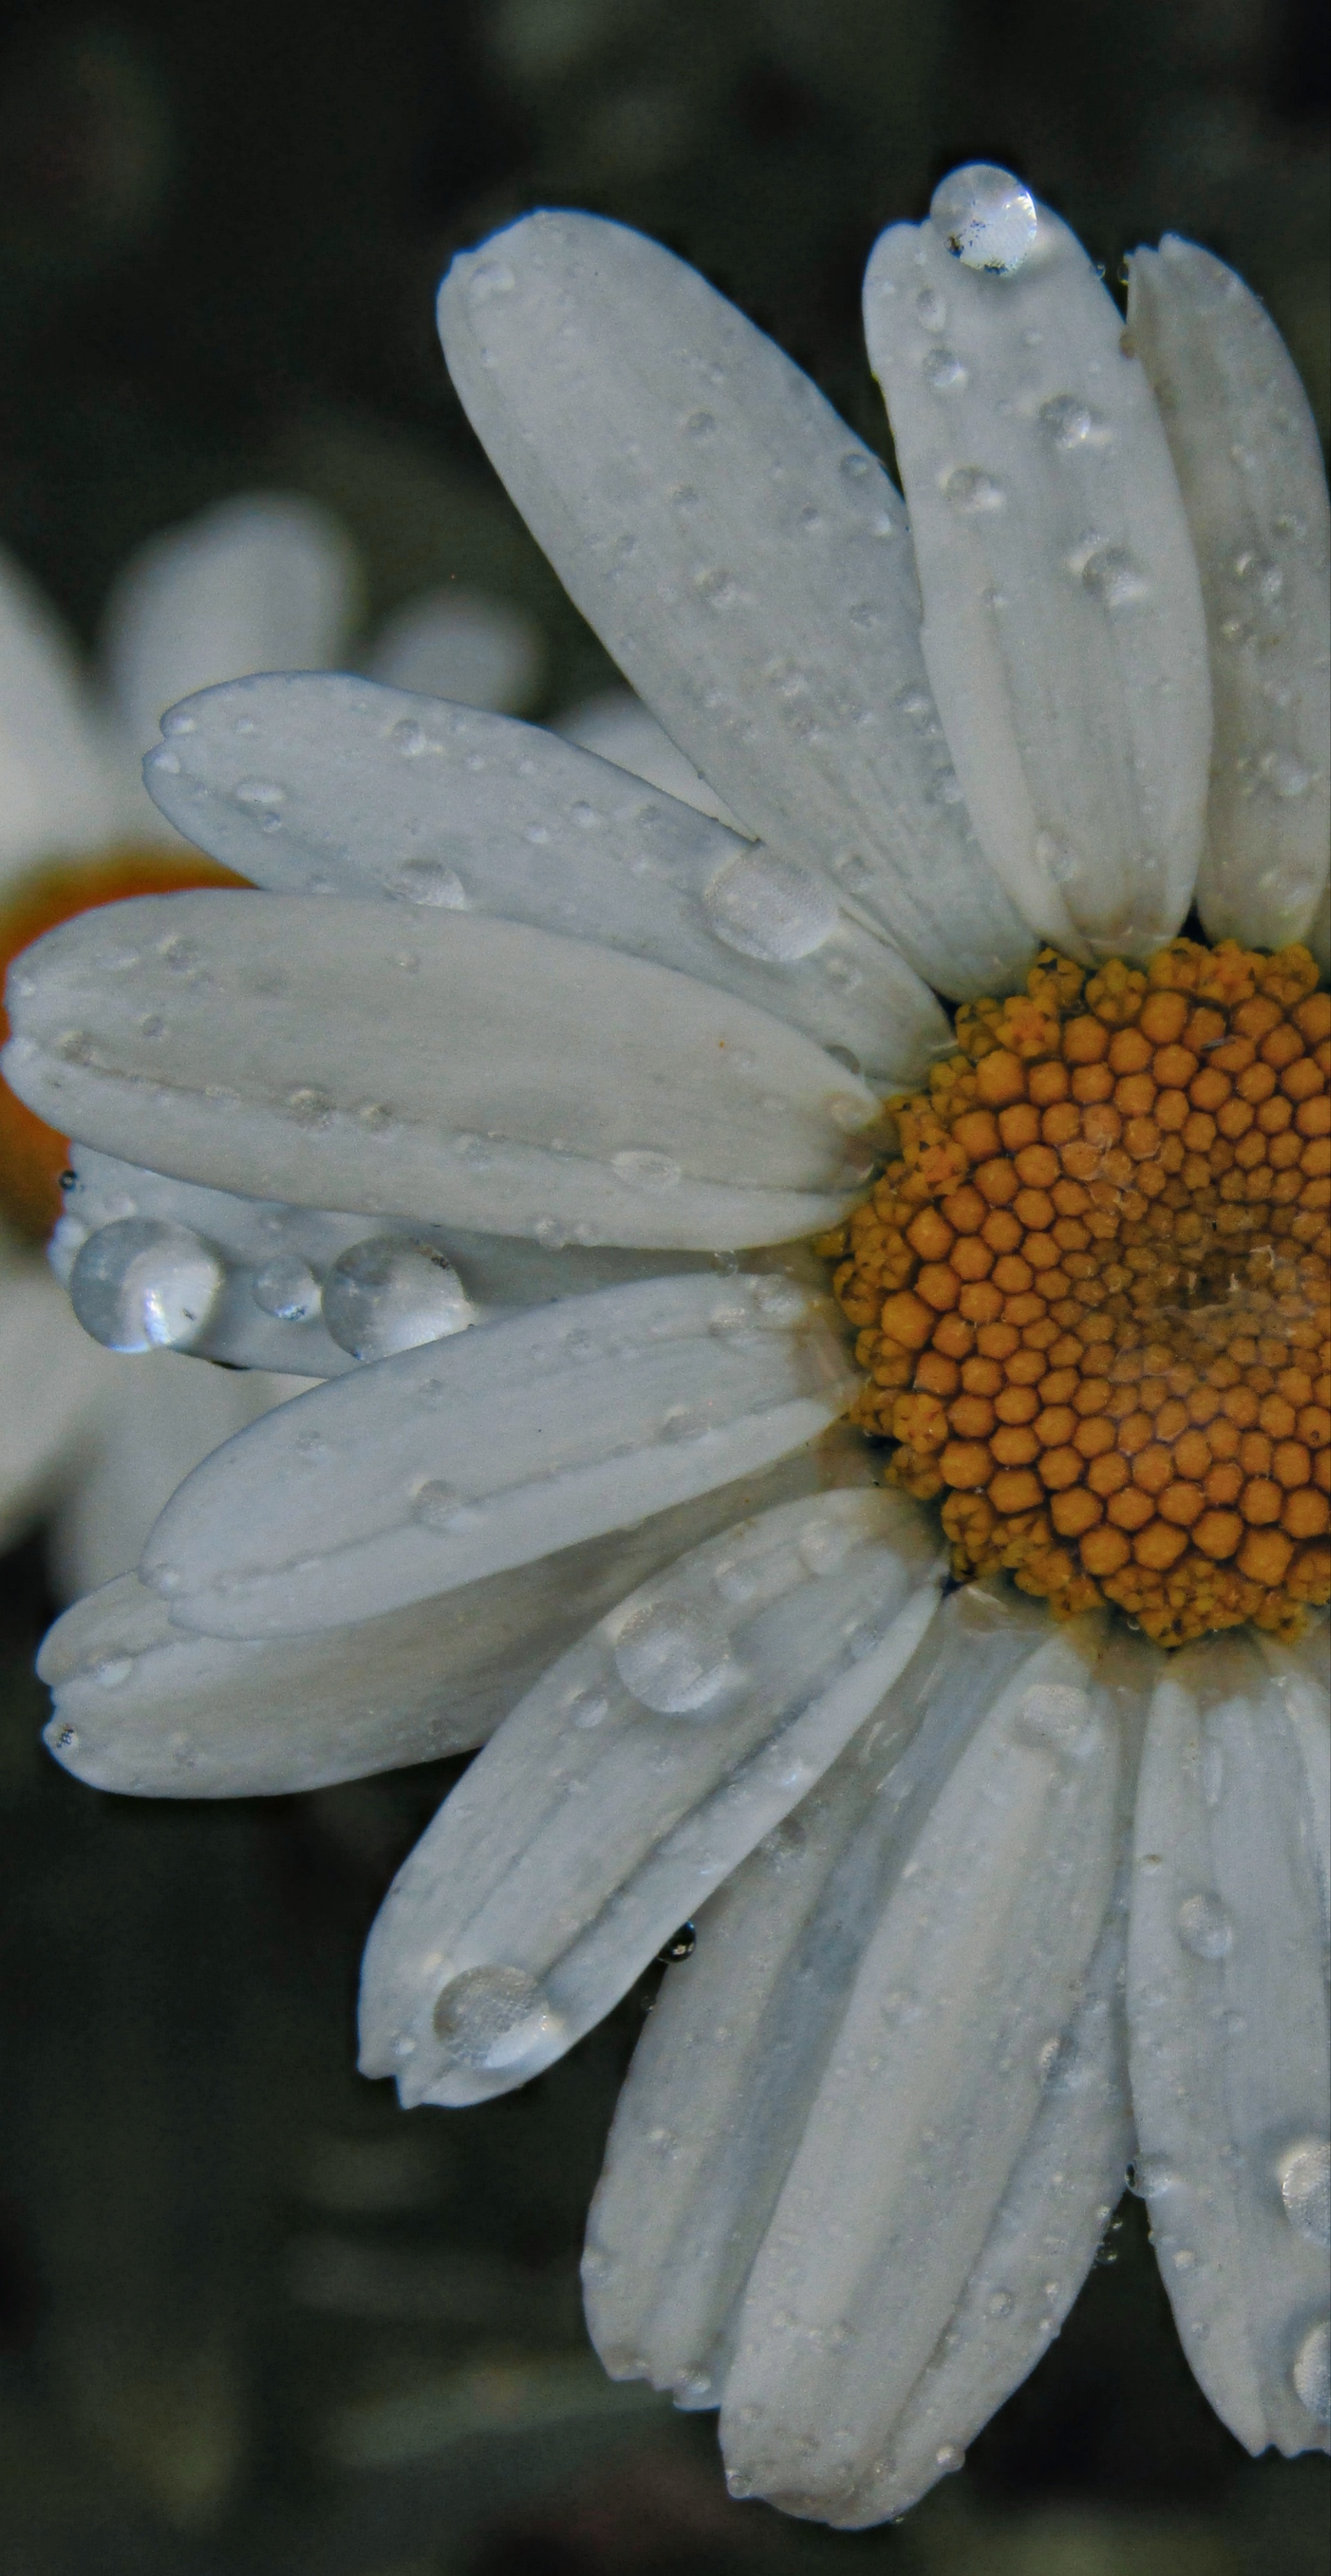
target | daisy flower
[
  {"x": 946, "y": 1645},
  {"x": 262, "y": 581}
]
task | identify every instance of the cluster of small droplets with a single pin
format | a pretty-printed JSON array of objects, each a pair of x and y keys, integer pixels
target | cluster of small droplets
[{"x": 1092, "y": 1293}]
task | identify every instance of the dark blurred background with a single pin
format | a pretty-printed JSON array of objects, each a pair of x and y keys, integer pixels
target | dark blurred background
[{"x": 252, "y": 2318}]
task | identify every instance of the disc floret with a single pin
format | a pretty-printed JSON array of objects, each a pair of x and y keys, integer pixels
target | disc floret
[{"x": 1092, "y": 1291}]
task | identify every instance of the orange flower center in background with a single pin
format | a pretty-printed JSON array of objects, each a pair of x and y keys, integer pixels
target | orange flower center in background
[
  {"x": 1093, "y": 1292},
  {"x": 32, "y": 1155}
]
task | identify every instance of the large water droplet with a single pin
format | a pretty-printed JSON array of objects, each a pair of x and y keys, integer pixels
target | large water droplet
[
  {"x": 1204, "y": 1927},
  {"x": 1311, "y": 2373},
  {"x": 1304, "y": 2172},
  {"x": 770, "y": 908},
  {"x": 391, "y": 1294},
  {"x": 143, "y": 1284},
  {"x": 986, "y": 217},
  {"x": 672, "y": 1659},
  {"x": 490, "y": 2018},
  {"x": 287, "y": 1288}
]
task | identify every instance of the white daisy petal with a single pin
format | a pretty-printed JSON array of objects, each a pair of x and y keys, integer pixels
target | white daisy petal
[
  {"x": 143, "y": 1708},
  {"x": 327, "y": 785},
  {"x": 154, "y": 1424},
  {"x": 641, "y": 1769},
  {"x": 1319, "y": 933},
  {"x": 1227, "y": 2008},
  {"x": 684, "y": 2205},
  {"x": 265, "y": 582},
  {"x": 743, "y": 557},
  {"x": 474, "y": 1071},
  {"x": 59, "y": 793},
  {"x": 976, "y": 1907},
  {"x": 271, "y": 1267},
  {"x": 1246, "y": 450},
  {"x": 1063, "y": 618},
  {"x": 419, "y": 1473}
]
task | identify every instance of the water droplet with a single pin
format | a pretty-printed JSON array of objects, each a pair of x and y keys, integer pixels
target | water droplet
[
  {"x": 143, "y": 1284},
  {"x": 672, "y": 1659},
  {"x": 113, "y": 1670},
  {"x": 1070, "y": 422},
  {"x": 309, "y": 1106},
  {"x": 286, "y": 1288},
  {"x": 1054, "y": 1714},
  {"x": 435, "y": 1505},
  {"x": 429, "y": 881},
  {"x": 392, "y": 1294},
  {"x": 1304, "y": 2172},
  {"x": 645, "y": 1170},
  {"x": 1259, "y": 574},
  {"x": 1204, "y": 1927},
  {"x": 1112, "y": 577},
  {"x": 491, "y": 2018},
  {"x": 986, "y": 217},
  {"x": 1064, "y": 863},
  {"x": 1284, "y": 775},
  {"x": 588, "y": 1708},
  {"x": 771, "y": 908},
  {"x": 825, "y": 1545},
  {"x": 949, "y": 2455},
  {"x": 1311, "y": 2373},
  {"x": 262, "y": 794},
  {"x": 944, "y": 372},
  {"x": 931, "y": 309},
  {"x": 1212, "y": 1772},
  {"x": 700, "y": 424},
  {"x": 973, "y": 492},
  {"x": 1001, "y": 2303},
  {"x": 176, "y": 721},
  {"x": 856, "y": 465},
  {"x": 409, "y": 738}
]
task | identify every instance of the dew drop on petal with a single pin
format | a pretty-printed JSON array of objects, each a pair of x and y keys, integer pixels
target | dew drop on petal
[
  {"x": 490, "y": 2018},
  {"x": 931, "y": 309},
  {"x": 770, "y": 908},
  {"x": 645, "y": 1170},
  {"x": 261, "y": 795},
  {"x": 1311, "y": 2373},
  {"x": 287, "y": 1288},
  {"x": 1204, "y": 1927},
  {"x": 1111, "y": 576},
  {"x": 435, "y": 1505},
  {"x": 392, "y": 1294},
  {"x": 986, "y": 218},
  {"x": 1068, "y": 420},
  {"x": 973, "y": 492},
  {"x": 944, "y": 371},
  {"x": 674, "y": 1661},
  {"x": 143, "y": 1284},
  {"x": 1304, "y": 2172}
]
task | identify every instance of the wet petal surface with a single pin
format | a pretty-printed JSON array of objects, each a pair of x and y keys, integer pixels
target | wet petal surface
[
  {"x": 471, "y": 1071},
  {"x": 640, "y": 1770},
  {"x": 742, "y": 556},
  {"x": 1063, "y": 619},
  {"x": 419, "y": 1473},
  {"x": 1249, "y": 462},
  {"x": 1227, "y": 2008},
  {"x": 321, "y": 784},
  {"x": 144, "y": 1708}
]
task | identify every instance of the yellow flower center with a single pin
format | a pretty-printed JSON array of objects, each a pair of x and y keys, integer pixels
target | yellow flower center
[
  {"x": 32, "y": 1155},
  {"x": 1092, "y": 1293}
]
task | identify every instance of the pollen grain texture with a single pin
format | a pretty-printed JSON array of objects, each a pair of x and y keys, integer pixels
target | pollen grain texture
[{"x": 1092, "y": 1293}]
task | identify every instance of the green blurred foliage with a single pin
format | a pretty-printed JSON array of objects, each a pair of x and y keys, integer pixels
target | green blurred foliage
[{"x": 253, "y": 2320}]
